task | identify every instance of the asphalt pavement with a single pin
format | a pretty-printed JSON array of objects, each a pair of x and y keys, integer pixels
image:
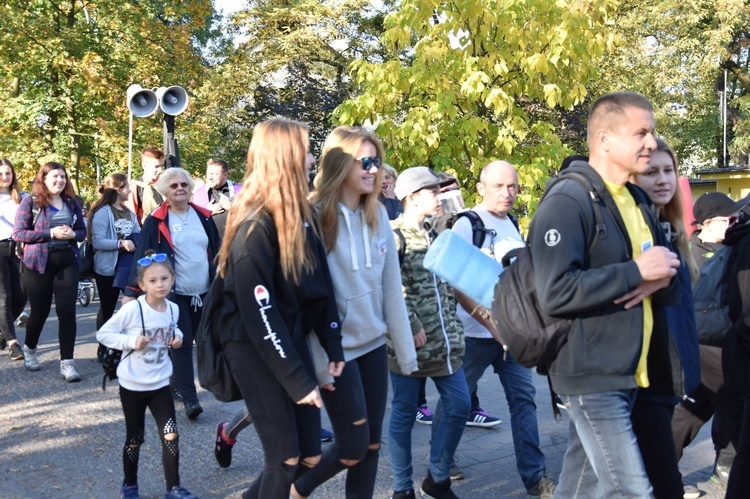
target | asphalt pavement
[{"x": 65, "y": 440}]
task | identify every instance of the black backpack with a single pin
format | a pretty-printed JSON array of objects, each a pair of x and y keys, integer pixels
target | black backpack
[
  {"x": 111, "y": 357},
  {"x": 213, "y": 369},
  {"x": 446, "y": 222},
  {"x": 711, "y": 297},
  {"x": 532, "y": 337}
]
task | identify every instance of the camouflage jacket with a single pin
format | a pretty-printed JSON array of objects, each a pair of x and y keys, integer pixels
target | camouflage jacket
[{"x": 431, "y": 305}]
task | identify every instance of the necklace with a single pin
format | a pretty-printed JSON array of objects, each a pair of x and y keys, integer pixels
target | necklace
[{"x": 183, "y": 220}]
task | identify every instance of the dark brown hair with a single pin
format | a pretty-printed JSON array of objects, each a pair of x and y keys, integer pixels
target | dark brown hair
[
  {"x": 39, "y": 189},
  {"x": 14, "y": 192}
]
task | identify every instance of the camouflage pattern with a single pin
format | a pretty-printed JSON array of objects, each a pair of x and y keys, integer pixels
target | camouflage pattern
[{"x": 426, "y": 295}]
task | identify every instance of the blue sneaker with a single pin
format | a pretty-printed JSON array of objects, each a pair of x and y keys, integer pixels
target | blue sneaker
[
  {"x": 179, "y": 493},
  {"x": 129, "y": 492},
  {"x": 325, "y": 435}
]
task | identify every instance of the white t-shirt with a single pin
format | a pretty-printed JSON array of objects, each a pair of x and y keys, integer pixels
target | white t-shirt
[
  {"x": 150, "y": 368},
  {"x": 506, "y": 238}
]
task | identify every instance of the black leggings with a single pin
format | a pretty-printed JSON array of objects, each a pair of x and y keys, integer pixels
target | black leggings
[
  {"x": 134, "y": 406},
  {"x": 361, "y": 393},
  {"x": 60, "y": 279},
  {"x": 108, "y": 296},
  {"x": 286, "y": 430},
  {"x": 12, "y": 294}
]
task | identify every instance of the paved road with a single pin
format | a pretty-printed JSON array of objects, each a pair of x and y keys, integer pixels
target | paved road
[{"x": 65, "y": 440}]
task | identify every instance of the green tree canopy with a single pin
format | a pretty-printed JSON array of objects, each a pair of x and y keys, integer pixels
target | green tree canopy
[{"x": 468, "y": 81}]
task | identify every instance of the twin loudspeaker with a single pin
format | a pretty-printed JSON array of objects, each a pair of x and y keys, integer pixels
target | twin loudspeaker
[{"x": 143, "y": 102}]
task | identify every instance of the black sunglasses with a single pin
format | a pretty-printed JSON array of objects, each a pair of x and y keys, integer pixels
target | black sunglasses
[
  {"x": 174, "y": 186},
  {"x": 368, "y": 162}
]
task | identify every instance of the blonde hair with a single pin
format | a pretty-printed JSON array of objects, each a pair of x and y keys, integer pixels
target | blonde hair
[
  {"x": 672, "y": 212},
  {"x": 338, "y": 158},
  {"x": 276, "y": 183}
]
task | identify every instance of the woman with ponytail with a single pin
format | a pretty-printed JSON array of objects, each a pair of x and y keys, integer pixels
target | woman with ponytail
[{"x": 110, "y": 230}]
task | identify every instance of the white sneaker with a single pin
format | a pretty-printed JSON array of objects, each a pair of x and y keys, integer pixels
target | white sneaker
[
  {"x": 691, "y": 492},
  {"x": 30, "y": 360},
  {"x": 68, "y": 370}
]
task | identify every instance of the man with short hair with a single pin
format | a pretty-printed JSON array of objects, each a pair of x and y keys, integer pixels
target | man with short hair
[
  {"x": 145, "y": 198},
  {"x": 608, "y": 287},
  {"x": 217, "y": 193},
  {"x": 498, "y": 186}
]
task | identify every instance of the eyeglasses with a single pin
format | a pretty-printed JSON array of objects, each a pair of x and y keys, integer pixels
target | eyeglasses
[
  {"x": 174, "y": 186},
  {"x": 148, "y": 260},
  {"x": 368, "y": 162}
]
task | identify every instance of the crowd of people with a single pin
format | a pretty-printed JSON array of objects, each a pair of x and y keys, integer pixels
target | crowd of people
[{"x": 326, "y": 298}]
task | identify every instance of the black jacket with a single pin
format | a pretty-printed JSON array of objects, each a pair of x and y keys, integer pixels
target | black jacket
[
  {"x": 736, "y": 348},
  {"x": 276, "y": 314},
  {"x": 155, "y": 236},
  {"x": 580, "y": 279}
]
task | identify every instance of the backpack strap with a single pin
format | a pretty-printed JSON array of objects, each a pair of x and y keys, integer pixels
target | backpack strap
[
  {"x": 401, "y": 246},
  {"x": 596, "y": 199},
  {"x": 478, "y": 230}
]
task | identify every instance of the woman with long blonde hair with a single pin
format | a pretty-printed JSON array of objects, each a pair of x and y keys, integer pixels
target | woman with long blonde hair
[
  {"x": 366, "y": 276},
  {"x": 673, "y": 358},
  {"x": 277, "y": 286}
]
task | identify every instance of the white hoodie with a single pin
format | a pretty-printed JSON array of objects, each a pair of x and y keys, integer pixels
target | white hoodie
[
  {"x": 367, "y": 281},
  {"x": 150, "y": 368}
]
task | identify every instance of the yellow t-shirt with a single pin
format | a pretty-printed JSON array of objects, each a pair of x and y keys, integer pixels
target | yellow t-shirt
[{"x": 641, "y": 239}]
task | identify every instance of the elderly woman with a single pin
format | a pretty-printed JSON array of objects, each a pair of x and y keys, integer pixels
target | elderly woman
[{"x": 188, "y": 236}]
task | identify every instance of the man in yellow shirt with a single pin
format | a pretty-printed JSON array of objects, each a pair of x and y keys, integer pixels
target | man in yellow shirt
[{"x": 604, "y": 275}]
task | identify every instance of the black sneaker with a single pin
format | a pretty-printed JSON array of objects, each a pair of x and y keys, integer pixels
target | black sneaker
[
  {"x": 222, "y": 448},
  {"x": 405, "y": 494},
  {"x": 16, "y": 353},
  {"x": 193, "y": 409},
  {"x": 430, "y": 488},
  {"x": 326, "y": 435}
]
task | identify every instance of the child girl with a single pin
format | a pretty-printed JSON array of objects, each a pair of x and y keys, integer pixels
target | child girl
[{"x": 144, "y": 329}]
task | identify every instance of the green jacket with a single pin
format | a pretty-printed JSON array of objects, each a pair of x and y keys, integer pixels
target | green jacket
[{"x": 431, "y": 305}]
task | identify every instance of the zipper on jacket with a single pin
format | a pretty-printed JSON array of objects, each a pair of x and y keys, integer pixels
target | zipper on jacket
[{"x": 440, "y": 312}]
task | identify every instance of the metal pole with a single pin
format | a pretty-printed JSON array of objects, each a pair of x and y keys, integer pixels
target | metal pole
[
  {"x": 130, "y": 148},
  {"x": 725, "y": 117}
]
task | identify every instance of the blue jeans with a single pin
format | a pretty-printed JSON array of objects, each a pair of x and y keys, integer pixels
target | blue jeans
[
  {"x": 602, "y": 459},
  {"x": 519, "y": 392},
  {"x": 446, "y": 433}
]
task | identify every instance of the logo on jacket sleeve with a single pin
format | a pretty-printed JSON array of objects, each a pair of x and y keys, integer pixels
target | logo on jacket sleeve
[
  {"x": 552, "y": 237},
  {"x": 262, "y": 296}
]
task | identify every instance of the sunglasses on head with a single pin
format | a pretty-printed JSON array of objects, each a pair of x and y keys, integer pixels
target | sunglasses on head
[
  {"x": 174, "y": 186},
  {"x": 148, "y": 260},
  {"x": 368, "y": 162}
]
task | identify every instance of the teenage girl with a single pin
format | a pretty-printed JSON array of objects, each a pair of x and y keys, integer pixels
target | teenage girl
[
  {"x": 144, "y": 329},
  {"x": 366, "y": 277},
  {"x": 276, "y": 290},
  {"x": 673, "y": 358}
]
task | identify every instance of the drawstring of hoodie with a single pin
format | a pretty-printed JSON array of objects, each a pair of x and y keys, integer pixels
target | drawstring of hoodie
[
  {"x": 196, "y": 302},
  {"x": 365, "y": 237}
]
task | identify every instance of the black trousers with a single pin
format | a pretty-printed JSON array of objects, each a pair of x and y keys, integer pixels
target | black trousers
[
  {"x": 60, "y": 279},
  {"x": 161, "y": 405},
  {"x": 182, "y": 358},
  {"x": 286, "y": 430},
  {"x": 361, "y": 393},
  {"x": 108, "y": 296},
  {"x": 12, "y": 293}
]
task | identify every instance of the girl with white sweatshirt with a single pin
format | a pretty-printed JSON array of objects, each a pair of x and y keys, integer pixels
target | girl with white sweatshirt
[
  {"x": 363, "y": 262},
  {"x": 144, "y": 329}
]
